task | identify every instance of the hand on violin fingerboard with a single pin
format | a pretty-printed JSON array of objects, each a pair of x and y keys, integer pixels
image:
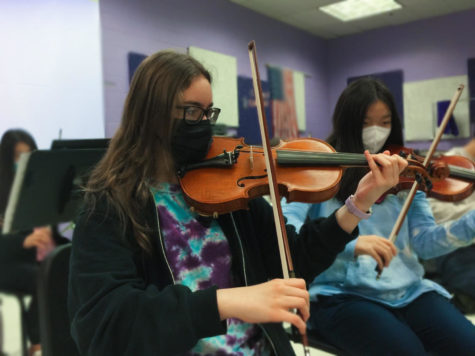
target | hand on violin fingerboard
[
  {"x": 269, "y": 302},
  {"x": 384, "y": 174}
]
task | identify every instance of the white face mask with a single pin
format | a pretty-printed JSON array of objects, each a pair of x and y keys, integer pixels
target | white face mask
[{"x": 374, "y": 137}]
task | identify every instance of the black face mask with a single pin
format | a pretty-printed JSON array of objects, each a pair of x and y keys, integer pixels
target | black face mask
[{"x": 191, "y": 143}]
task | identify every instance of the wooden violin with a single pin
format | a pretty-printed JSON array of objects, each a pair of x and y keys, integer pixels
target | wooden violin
[
  {"x": 454, "y": 185},
  {"x": 308, "y": 170}
]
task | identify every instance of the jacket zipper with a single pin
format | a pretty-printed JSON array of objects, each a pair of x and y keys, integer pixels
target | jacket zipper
[
  {"x": 160, "y": 238},
  {"x": 241, "y": 248},
  {"x": 245, "y": 280},
  {"x": 243, "y": 266}
]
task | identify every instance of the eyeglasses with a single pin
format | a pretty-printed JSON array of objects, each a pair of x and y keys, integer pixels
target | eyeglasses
[{"x": 194, "y": 114}]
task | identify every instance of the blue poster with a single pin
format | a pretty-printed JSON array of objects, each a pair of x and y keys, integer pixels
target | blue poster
[
  {"x": 393, "y": 80},
  {"x": 248, "y": 119},
  {"x": 471, "y": 87},
  {"x": 134, "y": 60}
]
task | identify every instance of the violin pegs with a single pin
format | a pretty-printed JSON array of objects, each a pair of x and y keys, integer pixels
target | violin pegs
[
  {"x": 418, "y": 178},
  {"x": 429, "y": 185}
]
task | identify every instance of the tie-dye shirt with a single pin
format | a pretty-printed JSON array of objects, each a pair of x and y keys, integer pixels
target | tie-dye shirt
[
  {"x": 199, "y": 257},
  {"x": 419, "y": 237}
]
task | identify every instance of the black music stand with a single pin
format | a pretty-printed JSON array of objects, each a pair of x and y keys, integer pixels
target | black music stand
[
  {"x": 47, "y": 187},
  {"x": 81, "y": 143}
]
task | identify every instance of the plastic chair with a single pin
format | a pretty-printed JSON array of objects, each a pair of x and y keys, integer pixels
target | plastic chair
[{"x": 55, "y": 334}]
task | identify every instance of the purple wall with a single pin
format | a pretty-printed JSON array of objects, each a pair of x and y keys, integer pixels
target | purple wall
[
  {"x": 426, "y": 49},
  {"x": 146, "y": 26}
]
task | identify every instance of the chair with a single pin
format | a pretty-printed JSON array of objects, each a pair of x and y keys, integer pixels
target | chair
[
  {"x": 55, "y": 334},
  {"x": 21, "y": 302},
  {"x": 314, "y": 340}
]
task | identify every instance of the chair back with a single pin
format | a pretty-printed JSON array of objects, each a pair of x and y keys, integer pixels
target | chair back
[{"x": 55, "y": 333}]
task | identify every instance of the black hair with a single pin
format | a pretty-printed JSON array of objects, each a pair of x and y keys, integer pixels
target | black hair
[
  {"x": 7, "y": 149},
  {"x": 348, "y": 120}
]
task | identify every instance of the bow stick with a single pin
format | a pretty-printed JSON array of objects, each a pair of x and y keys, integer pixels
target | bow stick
[
  {"x": 407, "y": 204},
  {"x": 284, "y": 250}
]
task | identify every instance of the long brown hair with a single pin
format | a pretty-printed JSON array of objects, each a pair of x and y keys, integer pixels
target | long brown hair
[{"x": 140, "y": 150}]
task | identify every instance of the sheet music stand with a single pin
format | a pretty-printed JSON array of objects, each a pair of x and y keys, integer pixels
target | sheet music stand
[
  {"x": 46, "y": 189},
  {"x": 82, "y": 143}
]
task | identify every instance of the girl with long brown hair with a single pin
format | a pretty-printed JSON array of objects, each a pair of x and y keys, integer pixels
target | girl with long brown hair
[{"x": 150, "y": 277}]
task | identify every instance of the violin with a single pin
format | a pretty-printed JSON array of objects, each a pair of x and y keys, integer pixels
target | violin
[
  {"x": 307, "y": 169},
  {"x": 456, "y": 185}
]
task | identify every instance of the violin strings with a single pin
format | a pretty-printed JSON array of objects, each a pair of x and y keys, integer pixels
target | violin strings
[
  {"x": 320, "y": 158},
  {"x": 461, "y": 172}
]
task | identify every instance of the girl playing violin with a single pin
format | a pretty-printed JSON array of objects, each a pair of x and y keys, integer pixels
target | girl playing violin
[
  {"x": 150, "y": 277},
  {"x": 401, "y": 313}
]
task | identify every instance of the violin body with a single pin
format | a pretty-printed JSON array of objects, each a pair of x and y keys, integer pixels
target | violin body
[
  {"x": 212, "y": 191},
  {"x": 454, "y": 185},
  {"x": 308, "y": 170}
]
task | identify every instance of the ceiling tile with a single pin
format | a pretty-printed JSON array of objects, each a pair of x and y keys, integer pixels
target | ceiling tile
[{"x": 304, "y": 14}]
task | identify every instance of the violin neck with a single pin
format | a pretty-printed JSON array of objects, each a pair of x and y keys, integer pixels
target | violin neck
[
  {"x": 462, "y": 173},
  {"x": 327, "y": 159}
]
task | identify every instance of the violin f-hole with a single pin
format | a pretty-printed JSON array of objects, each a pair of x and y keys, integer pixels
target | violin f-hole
[{"x": 240, "y": 180}]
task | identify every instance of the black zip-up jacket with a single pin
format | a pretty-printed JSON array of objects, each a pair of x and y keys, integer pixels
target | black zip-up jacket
[{"x": 123, "y": 301}]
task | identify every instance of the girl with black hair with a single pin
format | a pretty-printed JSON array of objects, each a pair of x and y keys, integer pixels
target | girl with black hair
[
  {"x": 14, "y": 142},
  {"x": 149, "y": 276},
  {"x": 400, "y": 313},
  {"x": 20, "y": 252}
]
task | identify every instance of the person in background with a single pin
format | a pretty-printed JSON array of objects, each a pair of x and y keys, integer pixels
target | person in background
[
  {"x": 21, "y": 252},
  {"x": 456, "y": 270},
  {"x": 151, "y": 277},
  {"x": 399, "y": 313}
]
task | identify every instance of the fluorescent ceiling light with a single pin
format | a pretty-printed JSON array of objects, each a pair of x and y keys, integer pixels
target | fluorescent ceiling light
[{"x": 356, "y": 9}]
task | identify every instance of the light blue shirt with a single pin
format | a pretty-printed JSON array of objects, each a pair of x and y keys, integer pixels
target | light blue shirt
[{"x": 419, "y": 237}]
